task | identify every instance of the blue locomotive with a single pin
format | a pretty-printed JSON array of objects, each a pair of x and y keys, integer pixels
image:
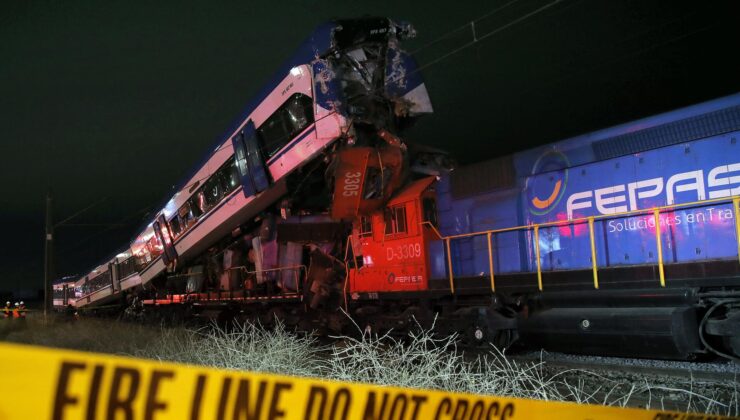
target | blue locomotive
[{"x": 622, "y": 241}]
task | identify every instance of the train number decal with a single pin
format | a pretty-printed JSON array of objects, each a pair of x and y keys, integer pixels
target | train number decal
[
  {"x": 352, "y": 184},
  {"x": 403, "y": 252}
]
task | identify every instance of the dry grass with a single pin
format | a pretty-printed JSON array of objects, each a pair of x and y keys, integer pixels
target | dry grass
[
  {"x": 421, "y": 360},
  {"x": 87, "y": 334}
]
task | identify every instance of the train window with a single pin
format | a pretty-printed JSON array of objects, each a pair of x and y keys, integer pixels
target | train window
[
  {"x": 366, "y": 226},
  {"x": 285, "y": 123},
  {"x": 218, "y": 185},
  {"x": 200, "y": 198},
  {"x": 154, "y": 247},
  {"x": 400, "y": 219},
  {"x": 232, "y": 175},
  {"x": 222, "y": 182},
  {"x": 375, "y": 180},
  {"x": 395, "y": 220},
  {"x": 213, "y": 191},
  {"x": 127, "y": 267},
  {"x": 195, "y": 209},
  {"x": 175, "y": 226},
  {"x": 299, "y": 112},
  {"x": 186, "y": 218},
  {"x": 430, "y": 211}
]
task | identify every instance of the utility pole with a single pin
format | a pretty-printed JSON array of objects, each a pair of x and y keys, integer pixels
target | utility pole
[
  {"x": 49, "y": 248},
  {"x": 48, "y": 256}
]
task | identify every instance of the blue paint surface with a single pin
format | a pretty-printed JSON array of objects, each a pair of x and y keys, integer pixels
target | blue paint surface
[{"x": 548, "y": 177}]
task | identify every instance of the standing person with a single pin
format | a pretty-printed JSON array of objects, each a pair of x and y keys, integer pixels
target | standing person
[
  {"x": 16, "y": 312},
  {"x": 22, "y": 310},
  {"x": 6, "y": 310}
]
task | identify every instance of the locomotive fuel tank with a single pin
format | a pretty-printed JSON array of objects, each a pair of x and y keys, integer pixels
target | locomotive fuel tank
[{"x": 659, "y": 323}]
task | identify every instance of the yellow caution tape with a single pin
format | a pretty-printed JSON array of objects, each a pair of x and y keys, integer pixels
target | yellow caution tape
[{"x": 42, "y": 383}]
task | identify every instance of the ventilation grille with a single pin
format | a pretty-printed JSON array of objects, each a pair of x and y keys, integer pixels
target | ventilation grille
[
  {"x": 707, "y": 125},
  {"x": 483, "y": 177}
]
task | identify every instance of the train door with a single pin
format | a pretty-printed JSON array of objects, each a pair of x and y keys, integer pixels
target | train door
[
  {"x": 249, "y": 161},
  {"x": 162, "y": 231},
  {"x": 113, "y": 272}
]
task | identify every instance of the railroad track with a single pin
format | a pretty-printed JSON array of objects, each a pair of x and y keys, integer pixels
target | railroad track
[
  {"x": 670, "y": 385},
  {"x": 723, "y": 371}
]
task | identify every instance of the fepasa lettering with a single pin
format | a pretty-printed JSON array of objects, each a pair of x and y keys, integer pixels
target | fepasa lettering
[{"x": 721, "y": 181}]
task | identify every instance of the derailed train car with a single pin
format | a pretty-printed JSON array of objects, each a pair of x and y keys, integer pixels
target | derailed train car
[
  {"x": 349, "y": 85},
  {"x": 620, "y": 242}
]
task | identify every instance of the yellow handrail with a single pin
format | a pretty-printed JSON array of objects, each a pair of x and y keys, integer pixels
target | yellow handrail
[
  {"x": 736, "y": 208},
  {"x": 656, "y": 211},
  {"x": 659, "y": 245},
  {"x": 434, "y": 228},
  {"x": 594, "y": 264},
  {"x": 449, "y": 265},
  {"x": 597, "y": 217},
  {"x": 490, "y": 263},
  {"x": 537, "y": 255}
]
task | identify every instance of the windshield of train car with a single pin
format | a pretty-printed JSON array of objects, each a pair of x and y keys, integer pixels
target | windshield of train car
[
  {"x": 285, "y": 123},
  {"x": 429, "y": 205}
]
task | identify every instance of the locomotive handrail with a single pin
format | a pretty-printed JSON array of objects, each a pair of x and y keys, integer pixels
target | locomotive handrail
[
  {"x": 535, "y": 227},
  {"x": 346, "y": 271},
  {"x": 736, "y": 208},
  {"x": 449, "y": 258},
  {"x": 245, "y": 271},
  {"x": 297, "y": 268},
  {"x": 579, "y": 220},
  {"x": 434, "y": 228}
]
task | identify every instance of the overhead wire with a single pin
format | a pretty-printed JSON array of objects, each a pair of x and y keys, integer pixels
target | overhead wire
[
  {"x": 120, "y": 223},
  {"x": 628, "y": 55},
  {"x": 476, "y": 39},
  {"x": 445, "y": 36},
  {"x": 62, "y": 223},
  {"x": 463, "y": 27}
]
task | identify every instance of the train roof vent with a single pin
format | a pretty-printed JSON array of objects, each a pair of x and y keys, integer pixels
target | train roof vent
[
  {"x": 482, "y": 177},
  {"x": 701, "y": 126}
]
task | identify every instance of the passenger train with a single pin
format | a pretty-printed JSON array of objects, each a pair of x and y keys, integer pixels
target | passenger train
[
  {"x": 622, "y": 242},
  {"x": 348, "y": 82}
]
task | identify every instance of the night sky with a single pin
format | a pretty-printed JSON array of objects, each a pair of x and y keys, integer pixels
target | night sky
[{"x": 116, "y": 100}]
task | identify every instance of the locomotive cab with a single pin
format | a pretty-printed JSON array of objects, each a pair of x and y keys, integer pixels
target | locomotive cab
[{"x": 390, "y": 245}]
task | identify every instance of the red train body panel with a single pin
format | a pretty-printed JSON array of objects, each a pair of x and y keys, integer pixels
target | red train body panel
[{"x": 391, "y": 244}]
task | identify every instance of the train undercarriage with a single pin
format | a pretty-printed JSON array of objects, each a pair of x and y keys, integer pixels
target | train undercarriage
[
  {"x": 298, "y": 265},
  {"x": 683, "y": 323}
]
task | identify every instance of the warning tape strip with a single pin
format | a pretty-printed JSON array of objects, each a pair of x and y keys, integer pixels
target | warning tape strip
[{"x": 46, "y": 383}]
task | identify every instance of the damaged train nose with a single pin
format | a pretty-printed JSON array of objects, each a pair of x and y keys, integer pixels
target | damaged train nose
[{"x": 379, "y": 82}]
